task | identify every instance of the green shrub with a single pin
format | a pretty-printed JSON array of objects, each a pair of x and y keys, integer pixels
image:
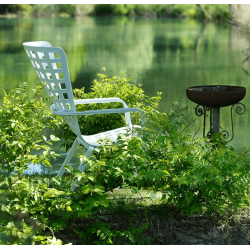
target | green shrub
[
  {"x": 43, "y": 10},
  {"x": 103, "y": 87},
  {"x": 15, "y": 8},
  {"x": 214, "y": 12},
  {"x": 46, "y": 201},
  {"x": 103, "y": 9},
  {"x": 113, "y": 9},
  {"x": 22, "y": 123},
  {"x": 184, "y": 10},
  {"x": 66, "y": 9},
  {"x": 207, "y": 12},
  {"x": 195, "y": 177}
]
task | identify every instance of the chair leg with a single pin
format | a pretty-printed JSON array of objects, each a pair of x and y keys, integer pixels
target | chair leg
[
  {"x": 82, "y": 166},
  {"x": 68, "y": 158}
]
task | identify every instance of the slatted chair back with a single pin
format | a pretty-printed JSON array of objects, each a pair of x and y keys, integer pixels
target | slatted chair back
[{"x": 51, "y": 66}]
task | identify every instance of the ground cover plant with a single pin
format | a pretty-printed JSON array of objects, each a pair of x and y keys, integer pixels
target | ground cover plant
[{"x": 169, "y": 178}]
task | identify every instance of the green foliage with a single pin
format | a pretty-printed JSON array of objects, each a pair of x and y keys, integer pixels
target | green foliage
[
  {"x": 17, "y": 228},
  {"x": 22, "y": 122},
  {"x": 103, "y": 87},
  {"x": 15, "y": 8},
  {"x": 50, "y": 205},
  {"x": 66, "y": 8},
  {"x": 46, "y": 201},
  {"x": 194, "y": 177},
  {"x": 218, "y": 12},
  {"x": 184, "y": 10},
  {"x": 208, "y": 12},
  {"x": 102, "y": 9},
  {"x": 211, "y": 12},
  {"x": 44, "y": 10}
]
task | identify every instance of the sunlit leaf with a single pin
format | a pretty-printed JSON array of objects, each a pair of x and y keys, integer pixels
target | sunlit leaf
[{"x": 54, "y": 138}]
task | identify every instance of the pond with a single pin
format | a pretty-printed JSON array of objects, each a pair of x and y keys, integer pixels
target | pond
[{"x": 164, "y": 55}]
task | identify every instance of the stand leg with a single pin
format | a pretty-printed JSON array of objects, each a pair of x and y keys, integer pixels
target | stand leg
[{"x": 216, "y": 120}]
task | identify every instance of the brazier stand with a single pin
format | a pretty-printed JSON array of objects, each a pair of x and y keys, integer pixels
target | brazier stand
[{"x": 210, "y": 98}]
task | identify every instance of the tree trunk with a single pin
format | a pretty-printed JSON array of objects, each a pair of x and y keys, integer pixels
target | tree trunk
[
  {"x": 203, "y": 11},
  {"x": 240, "y": 14}
]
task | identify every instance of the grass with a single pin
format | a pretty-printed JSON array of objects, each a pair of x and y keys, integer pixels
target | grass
[
  {"x": 160, "y": 223},
  {"x": 156, "y": 222}
]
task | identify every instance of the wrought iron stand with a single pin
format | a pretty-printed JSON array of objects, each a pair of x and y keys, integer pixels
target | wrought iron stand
[{"x": 215, "y": 119}]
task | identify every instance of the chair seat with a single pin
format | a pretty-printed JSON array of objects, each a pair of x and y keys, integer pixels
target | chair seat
[{"x": 111, "y": 134}]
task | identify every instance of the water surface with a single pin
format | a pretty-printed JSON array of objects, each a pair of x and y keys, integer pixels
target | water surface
[{"x": 163, "y": 54}]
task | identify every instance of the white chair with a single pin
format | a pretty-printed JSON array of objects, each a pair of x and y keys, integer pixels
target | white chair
[{"x": 50, "y": 64}]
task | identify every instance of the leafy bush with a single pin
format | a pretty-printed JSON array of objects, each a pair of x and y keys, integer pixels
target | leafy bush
[
  {"x": 183, "y": 10},
  {"x": 194, "y": 176},
  {"x": 214, "y": 12},
  {"x": 66, "y": 8},
  {"x": 46, "y": 201},
  {"x": 50, "y": 205},
  {"x": 44, "y": 10},
  {"x": 22, "y": 122},
  {"x": 111, "y": 9},
  {"x": 208, "y": 12},
  {"x": 102, "y": 87},
  {"x": 15, "y": 8}
]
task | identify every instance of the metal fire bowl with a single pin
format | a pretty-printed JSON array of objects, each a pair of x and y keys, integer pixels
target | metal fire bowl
[{"x": 216, "y": 96}]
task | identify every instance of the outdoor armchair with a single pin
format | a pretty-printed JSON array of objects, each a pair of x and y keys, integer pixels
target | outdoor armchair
[{"x": 50, "y": 64}]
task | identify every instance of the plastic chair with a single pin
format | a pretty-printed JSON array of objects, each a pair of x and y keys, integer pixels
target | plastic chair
[{"x": 50, "y": 64}]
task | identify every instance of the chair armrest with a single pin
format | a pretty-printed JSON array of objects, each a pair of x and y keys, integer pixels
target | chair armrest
[
  {"x": 100, "y": 100},
  {"x": 96, "y": 112}
]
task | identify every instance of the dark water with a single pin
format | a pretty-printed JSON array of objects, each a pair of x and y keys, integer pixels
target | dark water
[{"x": 164, "y": 55}]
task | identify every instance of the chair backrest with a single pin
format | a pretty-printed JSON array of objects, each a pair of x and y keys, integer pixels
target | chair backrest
[{"x": 51, "y": 66}]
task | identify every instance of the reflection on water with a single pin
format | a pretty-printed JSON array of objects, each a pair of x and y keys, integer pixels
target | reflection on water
[
  {"x": 164, "y": 55},
  {"x": 38, "y": 169}
]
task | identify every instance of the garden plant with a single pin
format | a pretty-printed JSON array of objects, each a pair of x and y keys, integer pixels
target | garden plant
[{"x": 188, "y": 176}]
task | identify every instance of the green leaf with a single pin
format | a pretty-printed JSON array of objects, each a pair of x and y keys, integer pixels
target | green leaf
[
  {"x": 92, "y": 178},
  {"x": 166, "y": 172},
  {"x": 98, "y": 189},
  {"x": 46, "y": 162},
  {"x": 109, "y": 241},
  {"x": 54, "y": 138},
  {"x": 134, "y": 190},
  {"x": 246, "y": 202},
  {"x": 55, "y": 180},
  {"x": 69, "y": 168},
  {"x": 35, "y": 196},
  {"x": 87, "y": 189},
  {"x": 90, "y": 202},
  {"x": 46, "y": 153},
  {"x": 69, "y": 209}
]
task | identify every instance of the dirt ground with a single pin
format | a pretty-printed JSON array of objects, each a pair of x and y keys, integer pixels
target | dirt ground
[{"x": 165, "y": 228}]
